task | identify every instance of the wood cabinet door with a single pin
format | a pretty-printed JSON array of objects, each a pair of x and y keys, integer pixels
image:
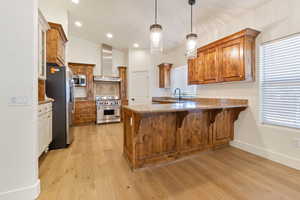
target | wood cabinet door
[
  {"x": 194, "y": 76},
  {"x": 155, "y": 137},
  {"x": 161, "y": 78},
  {"x": 63, "y": 52},
  {"x": 223, "y": 128},
  {"x": 60, "y": 50},
  {"x": 165, "y": 75},
  {"x": 193, "y": 135},
  {"x": 209, "y": 65},
  {"x": 231, "y": 58},
  {"x": 191, "y": 72}
]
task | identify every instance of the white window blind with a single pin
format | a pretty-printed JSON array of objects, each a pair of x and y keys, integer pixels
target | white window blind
[{"x": 280, "y": 82}]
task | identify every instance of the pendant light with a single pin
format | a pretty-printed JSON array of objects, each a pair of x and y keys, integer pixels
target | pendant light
[
  {"x": 191, "y": 39},
  {"x": 156, "y": 35}
]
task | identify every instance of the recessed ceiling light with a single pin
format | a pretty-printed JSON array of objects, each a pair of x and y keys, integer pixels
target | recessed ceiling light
[
  {"x": 75, "y": 1},
  {"x": 78, "y": 24},
  {"x": 136, "y": 45},
  {"x": 109, "y": 35}
]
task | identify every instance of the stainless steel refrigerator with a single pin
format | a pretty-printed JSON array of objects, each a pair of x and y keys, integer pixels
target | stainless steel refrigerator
[{"x": 60, "y": 87}]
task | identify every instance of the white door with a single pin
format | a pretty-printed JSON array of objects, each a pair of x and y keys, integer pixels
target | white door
[{"x": 139, "y": 88}]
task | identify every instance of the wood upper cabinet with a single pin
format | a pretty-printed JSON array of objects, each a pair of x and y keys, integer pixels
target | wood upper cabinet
[
  {"x": 56, "y": 44},
  {"x": 123, "y": 85},
  {"x": 165, "y": 75},
  {"x": 229, "y": 59},
  {"x": 208, "y": 67},
  {"x": 193, "y": 71}
]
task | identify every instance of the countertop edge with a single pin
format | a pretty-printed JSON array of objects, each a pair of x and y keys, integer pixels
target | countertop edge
[
  {"x": 184, "y": 109},
  {"x": 50, "y": 100}
]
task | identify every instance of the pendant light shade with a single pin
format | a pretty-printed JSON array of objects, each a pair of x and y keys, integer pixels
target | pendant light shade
[
  {"x": 156, "y": 35},
  {"x": 191, "y": 39},
  {"x": 191, "y": 45}
]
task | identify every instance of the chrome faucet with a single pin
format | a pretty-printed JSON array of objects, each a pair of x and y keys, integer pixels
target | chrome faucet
[{"x": 175, "y": 92}]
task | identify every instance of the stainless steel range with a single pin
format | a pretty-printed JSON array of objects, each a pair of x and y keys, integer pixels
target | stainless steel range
[{"x": 108, "y": 109}]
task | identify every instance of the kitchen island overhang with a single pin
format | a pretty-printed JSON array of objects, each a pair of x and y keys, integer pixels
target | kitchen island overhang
[{"x": 161, "y": 133}]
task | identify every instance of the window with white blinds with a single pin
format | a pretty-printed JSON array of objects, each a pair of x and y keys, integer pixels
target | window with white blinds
[{"x": 280, "y": 82}]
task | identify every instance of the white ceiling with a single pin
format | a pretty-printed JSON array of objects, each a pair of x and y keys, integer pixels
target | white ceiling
[{"x": 129, "y": 20}]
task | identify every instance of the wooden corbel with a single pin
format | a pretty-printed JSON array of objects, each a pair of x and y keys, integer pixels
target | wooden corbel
[
  {"x": 212, "y": 114},
  {"x": 180, "y": 116},
  {"x": 136, "y": 118},
  {"x": 236, "y": 112}
]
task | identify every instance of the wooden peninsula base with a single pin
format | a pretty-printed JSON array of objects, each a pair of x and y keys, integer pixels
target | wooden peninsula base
[{"x": 160, "y": 133}]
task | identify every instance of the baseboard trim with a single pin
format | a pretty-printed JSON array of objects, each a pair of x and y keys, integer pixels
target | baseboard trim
[
  {"x": 30, "y": 192},
  {"x": 271, "y": 155}
]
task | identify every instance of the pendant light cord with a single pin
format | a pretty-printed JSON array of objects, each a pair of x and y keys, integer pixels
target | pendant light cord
[
  {"x": 191, "y": 18},
  {"x": 155, "y": 11}
]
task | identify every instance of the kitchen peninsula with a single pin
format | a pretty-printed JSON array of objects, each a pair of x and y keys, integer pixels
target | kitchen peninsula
[{"x": 171, "y": 128}]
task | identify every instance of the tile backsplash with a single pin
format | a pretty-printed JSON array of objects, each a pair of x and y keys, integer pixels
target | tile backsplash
[
  {"x": 80, "y": 92},
  {"x": 106, "y": 88}
]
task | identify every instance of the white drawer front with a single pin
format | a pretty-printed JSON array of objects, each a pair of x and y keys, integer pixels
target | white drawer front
[{"x": 44, "y": 108}]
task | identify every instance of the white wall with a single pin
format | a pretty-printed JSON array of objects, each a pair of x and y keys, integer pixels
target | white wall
[
  {"x": 119, "y": 59},
  {"x": 154, "y": 77},
  {"x": 179, "y": 79},
  {"x": 275, "y": 19},
  {"x": 142, "y": 60},
  {"x": 84, "y": 51},
  {"x": 18, "y": 142},
  {"x": 55, "y": 11}
]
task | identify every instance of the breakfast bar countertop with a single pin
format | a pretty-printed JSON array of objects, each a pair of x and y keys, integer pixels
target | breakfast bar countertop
[{"x": 169, "y": 104}]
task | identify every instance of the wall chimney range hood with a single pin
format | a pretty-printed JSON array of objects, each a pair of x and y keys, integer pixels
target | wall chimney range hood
[{"x": 106, "y": 66}]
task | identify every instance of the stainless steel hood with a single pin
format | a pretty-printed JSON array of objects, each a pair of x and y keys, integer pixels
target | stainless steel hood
[
  {"x": 106, "y": 60},
  {"x": 106, "y": 65}
]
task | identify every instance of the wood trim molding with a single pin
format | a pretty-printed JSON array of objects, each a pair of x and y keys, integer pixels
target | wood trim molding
[
  {"x": 81, "y": 64},
  {"x": 60, "y": 29},
  {"x": 246, "y": 32},
  {"x": 41, "y": 90}
]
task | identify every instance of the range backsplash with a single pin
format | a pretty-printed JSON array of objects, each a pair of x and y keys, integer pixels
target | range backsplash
[{"x": 106, "y": 88}]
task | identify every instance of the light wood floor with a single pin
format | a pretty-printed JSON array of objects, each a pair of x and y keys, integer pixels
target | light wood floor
[{"x": 93, "y": 169}]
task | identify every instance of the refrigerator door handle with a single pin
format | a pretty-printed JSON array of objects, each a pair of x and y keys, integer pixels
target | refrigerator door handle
[{"x": 72, "y": 96}]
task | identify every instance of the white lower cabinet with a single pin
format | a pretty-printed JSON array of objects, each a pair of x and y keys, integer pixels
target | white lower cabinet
[{"x": 45, "y": 127}]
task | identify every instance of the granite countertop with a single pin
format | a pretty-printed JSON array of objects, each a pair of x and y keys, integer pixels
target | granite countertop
[
  {"x": 48, "y": 100},
  {"x": 187, "y": 104}
]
